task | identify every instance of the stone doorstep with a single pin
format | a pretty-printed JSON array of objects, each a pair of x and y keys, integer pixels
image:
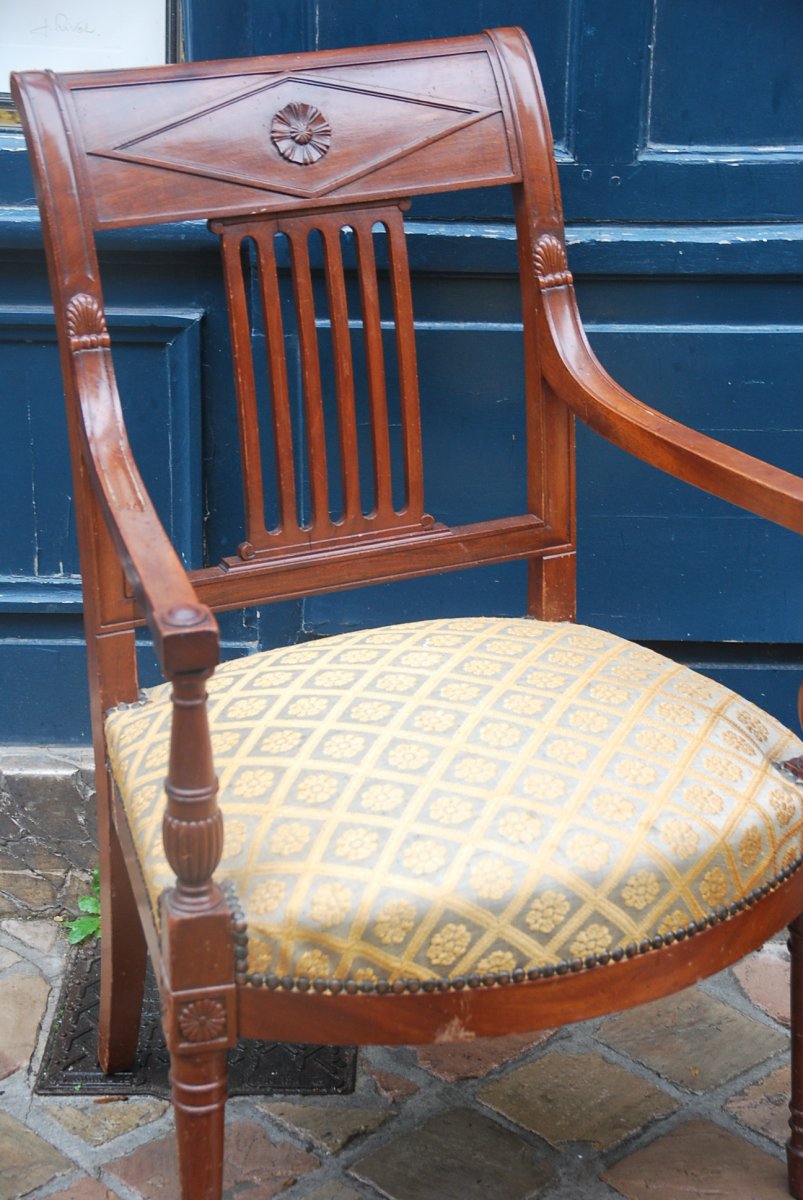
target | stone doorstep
[
  {"x": 47, "y": 828},
  {"x": 38, "y": 759}
]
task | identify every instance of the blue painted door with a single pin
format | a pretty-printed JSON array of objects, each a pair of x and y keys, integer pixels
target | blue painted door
[{"x": 679, "y": 132}]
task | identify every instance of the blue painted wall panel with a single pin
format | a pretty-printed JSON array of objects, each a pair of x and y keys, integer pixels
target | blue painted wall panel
[
  {"x": 707, "y": 570},
  {"x": 679, "y": 135},
  {"x": 157, "y": 360},
  {"x": 754, "y": 99}
]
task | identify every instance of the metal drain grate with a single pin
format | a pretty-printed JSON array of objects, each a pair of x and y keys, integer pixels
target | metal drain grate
[{"x": 70, "y": 1063}]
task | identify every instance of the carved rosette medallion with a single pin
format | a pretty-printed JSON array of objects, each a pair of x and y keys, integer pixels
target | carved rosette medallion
[
  {"x": 551, "y": 265},
  {"x": 202, "y": 1020},
  {"x": 301, "y": 133},
  {"x": 86, "y": 324}
]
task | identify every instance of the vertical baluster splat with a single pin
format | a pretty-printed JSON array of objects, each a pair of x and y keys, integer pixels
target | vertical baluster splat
[
  {"x": 325, "y": 403},
  {"x": 408, "y": 370},
  {"x": 374, "y": 364},
  {"x": 344, "y": 377},
  {"x": 281, "y": 410},
  {"x": 236, "y": 280}
]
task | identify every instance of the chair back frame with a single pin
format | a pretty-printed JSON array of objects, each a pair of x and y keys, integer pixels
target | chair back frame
[{"x": 143, "y": 146}]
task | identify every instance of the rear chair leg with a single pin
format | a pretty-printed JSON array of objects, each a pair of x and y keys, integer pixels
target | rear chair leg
[
  {"x": 123, "y": 959},
  {"x": 794, "y": 1147},
  {"x": 199, "y": 1097}
]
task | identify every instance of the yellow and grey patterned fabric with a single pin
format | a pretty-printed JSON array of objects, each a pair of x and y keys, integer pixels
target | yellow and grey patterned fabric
[{"x": 471, "y": 795}]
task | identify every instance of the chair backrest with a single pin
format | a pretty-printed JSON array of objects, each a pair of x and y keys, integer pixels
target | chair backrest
[{"x": 272, "y": 152}]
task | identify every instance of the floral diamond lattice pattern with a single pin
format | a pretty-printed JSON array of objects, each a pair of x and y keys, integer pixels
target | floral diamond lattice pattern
[{"x": 470, "y": 795}]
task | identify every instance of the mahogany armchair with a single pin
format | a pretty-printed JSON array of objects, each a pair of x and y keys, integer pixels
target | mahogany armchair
[{"x": 447, "y": 829}]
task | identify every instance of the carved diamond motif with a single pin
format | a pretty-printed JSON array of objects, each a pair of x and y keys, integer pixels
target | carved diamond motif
[{"x": 225, "y": 140}]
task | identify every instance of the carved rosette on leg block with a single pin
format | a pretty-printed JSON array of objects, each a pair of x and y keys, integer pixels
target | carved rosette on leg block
[
  {"x": 794, "y": 1147},
  {"x": 200, "y": 1020}
]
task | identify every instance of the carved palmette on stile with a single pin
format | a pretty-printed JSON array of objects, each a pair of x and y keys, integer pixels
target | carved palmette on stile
[
  {"x": 551, "y": 264},
  {"x": 86, "y": 324}
]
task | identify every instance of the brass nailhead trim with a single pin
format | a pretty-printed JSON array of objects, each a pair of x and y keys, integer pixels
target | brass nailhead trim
[{"x": 398, "y": 987}]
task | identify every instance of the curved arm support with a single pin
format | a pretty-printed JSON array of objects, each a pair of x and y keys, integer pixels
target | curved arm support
[
  {"x": 185, "y": 631},
  {"x": 572, "y": 369}
]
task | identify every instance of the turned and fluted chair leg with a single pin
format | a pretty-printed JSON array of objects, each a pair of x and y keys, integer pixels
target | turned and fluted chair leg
[
  {"x": 198, "y": 1084},
  {"x": 794, "y": 1147},
  {"x": 199, "y": 1012}
]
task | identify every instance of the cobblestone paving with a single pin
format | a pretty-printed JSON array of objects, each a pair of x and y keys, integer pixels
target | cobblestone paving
[{"x": 683, "y": 1098}]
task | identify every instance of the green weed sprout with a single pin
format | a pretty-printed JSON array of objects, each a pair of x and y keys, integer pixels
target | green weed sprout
[{"x": 80, "y": 929}]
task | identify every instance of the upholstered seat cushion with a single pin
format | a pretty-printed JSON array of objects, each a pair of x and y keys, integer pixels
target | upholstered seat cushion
[{"x": 471, "y": 796}]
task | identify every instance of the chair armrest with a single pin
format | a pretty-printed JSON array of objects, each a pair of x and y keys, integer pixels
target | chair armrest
[
  {"x": 572, "y": 369},
  {"x": 184, "y": 630}
]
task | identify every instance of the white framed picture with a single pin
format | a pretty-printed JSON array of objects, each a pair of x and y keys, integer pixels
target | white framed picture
[{"x": 82, "y": 35}]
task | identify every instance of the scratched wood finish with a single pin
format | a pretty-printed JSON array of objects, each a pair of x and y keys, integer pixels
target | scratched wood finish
[{"x": 299, "y": 146}]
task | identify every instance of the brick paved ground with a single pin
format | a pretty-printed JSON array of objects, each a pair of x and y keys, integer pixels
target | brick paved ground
[{"x": 681, "y": 1099}]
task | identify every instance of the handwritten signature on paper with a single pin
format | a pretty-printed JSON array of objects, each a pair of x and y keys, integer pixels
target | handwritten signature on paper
[{"x": 64, "y": 23}]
